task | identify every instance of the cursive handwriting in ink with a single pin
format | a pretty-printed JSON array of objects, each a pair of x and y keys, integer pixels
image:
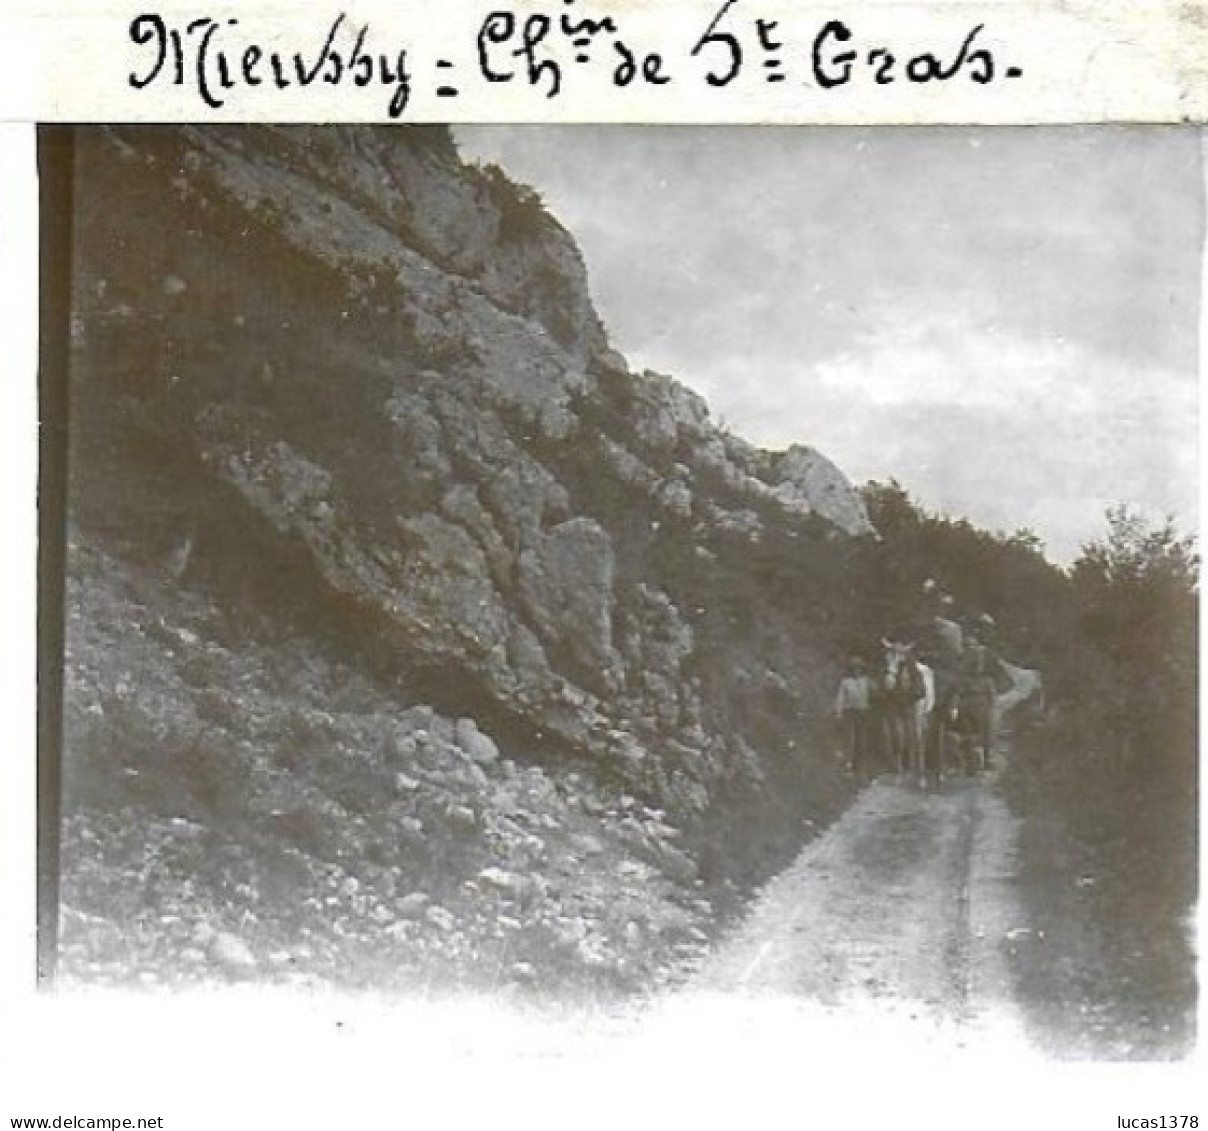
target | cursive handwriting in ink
[
  {"x": 833, "y": 67},
  {"x": 735, "y": 43},
  {"x": 209, "y": 56},
  {"x": 544, "y": 48},
  {"x": 540, "y": 50}
]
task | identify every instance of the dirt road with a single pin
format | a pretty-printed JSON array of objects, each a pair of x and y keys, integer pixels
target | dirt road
[{"x": 906, "y": 906}]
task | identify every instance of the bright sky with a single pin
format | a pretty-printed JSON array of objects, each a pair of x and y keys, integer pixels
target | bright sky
[{"x": 1004, "y": 320}]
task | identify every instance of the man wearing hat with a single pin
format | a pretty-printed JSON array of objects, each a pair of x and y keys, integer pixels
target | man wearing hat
[{"x": 852, "y": 710}]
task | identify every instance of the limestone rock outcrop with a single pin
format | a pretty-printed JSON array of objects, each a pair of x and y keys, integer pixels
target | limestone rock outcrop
[{"x": 364, "y": 382}]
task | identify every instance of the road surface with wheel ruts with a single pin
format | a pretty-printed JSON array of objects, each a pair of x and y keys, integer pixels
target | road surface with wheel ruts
[{"x": 908, "y": 904}]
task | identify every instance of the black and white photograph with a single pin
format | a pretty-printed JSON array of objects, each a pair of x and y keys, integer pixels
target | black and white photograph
[{"x": 589, "y": 570}]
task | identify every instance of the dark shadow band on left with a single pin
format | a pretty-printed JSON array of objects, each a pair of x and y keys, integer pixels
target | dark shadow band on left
[{"x": 56, "y": 222}]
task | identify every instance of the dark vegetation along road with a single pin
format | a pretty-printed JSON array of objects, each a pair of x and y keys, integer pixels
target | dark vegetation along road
[{"x": 413, "y": 643}]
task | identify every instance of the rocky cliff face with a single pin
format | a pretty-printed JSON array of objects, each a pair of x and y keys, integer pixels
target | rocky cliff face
[{"x": 336, "y": 394}]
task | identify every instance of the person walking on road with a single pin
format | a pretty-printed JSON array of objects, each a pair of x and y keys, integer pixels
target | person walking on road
[
  {"x": 981, "y": 674},
  {"x": 852, "y": 707}
]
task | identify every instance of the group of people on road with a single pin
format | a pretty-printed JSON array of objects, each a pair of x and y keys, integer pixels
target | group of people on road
[{"x": 921, "y": 705}]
